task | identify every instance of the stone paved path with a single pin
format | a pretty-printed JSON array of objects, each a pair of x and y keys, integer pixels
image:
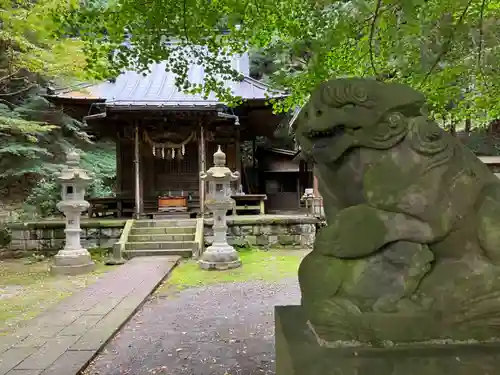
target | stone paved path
[
  {"x": 66, "y": 337},
  {"x": 225, "y": 329}
]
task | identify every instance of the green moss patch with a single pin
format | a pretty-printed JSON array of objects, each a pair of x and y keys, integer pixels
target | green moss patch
[
  {"x": 27, "y": 289},
  {"x": 257, "y": 265}
]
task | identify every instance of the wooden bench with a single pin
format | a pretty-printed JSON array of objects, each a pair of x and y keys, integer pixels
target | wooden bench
[
  {"x": 248, "y": 203},
  {"x": 493, "y": 163},
  {"x": 103, "y": 207}
]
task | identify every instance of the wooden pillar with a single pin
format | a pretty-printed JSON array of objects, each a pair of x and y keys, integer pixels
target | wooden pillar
[
  {"x": 202, "y": 166},
  {"x": 299, "y": 192},
  {"x": 254, "y": 148},
  {"x": 142, "y": 162},
  {"x": 301, "y": 181},
  {"x": 315, "y": 183},
  {"x": 238, "y": 153},
  {"x": 310, "y": 174},
  {"x": 119, "y": 173},
  {"x": 137, "y": 172}
]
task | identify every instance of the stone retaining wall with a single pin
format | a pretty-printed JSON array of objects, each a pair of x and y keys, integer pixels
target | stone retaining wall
[
  {"x": 49, "y": 236},
  {"x": 268, "y": 231}
]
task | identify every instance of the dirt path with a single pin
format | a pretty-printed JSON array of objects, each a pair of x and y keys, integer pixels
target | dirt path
[{"x": 224, "y": 329}]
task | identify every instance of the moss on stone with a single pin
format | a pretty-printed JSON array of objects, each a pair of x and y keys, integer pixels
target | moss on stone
[{"x": 58, "y": 224}]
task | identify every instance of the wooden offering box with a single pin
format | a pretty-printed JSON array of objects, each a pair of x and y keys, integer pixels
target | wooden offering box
[{"x": 172, "y": 203}]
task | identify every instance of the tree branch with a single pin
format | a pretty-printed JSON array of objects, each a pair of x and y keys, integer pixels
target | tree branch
[
  {"x": 446, "y": 45},
  {"x": 24, "y": 89},
  {"x": 11, "y": 106},
  {"x": 481, "y": 35},
  {"x": 372, "y": 33},
  {"x": 5, "y": 78},
  {"x": 184, "y": 15}
]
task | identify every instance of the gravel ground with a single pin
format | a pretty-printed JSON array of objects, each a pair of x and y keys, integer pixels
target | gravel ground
[{"x": 225, "y": 329}]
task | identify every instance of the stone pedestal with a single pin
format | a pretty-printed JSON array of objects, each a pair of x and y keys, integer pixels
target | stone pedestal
[
  {"x": 298, "y": 353},
  {"x": 220, "y": 255},
  {"x": 73, "y": 259},
  {"x": 116, "y": 257},
  {"x": 72, "y": 263}
]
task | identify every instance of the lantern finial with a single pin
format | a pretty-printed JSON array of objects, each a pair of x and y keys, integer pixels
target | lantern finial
[
  {"x": 219, "y": 158},
  {"x": 73, "y": 158}
]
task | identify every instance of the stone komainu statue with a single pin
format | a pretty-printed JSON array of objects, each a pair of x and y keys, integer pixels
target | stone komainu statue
[{"x": 412, "y": 243}]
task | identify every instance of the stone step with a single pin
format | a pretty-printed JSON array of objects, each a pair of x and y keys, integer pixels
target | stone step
[
  {"x": 143, "y": 237},
  {"x": 161, "y": 230},
  {"x": 170, "y": 216},
  {"x": 185, "y": 253},
  {"x": 160, "y": 245},
  {"x": 165, "y": 223}
]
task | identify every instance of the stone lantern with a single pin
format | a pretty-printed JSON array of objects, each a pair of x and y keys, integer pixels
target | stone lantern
[
  {"x": 220, "y": 255},
  {"x": 73, "y": 259}
]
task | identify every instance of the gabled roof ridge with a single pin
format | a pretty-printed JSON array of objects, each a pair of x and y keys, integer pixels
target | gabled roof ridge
[{"x": 262, "y": 85}]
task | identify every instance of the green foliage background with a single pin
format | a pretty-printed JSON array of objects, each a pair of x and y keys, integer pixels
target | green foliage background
[
  {"x": 447, "y": 48},
  {"x": 34, "y": 135}
]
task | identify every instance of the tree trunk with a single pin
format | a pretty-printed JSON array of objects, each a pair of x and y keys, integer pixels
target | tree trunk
[{"x": 468, "y": 126}]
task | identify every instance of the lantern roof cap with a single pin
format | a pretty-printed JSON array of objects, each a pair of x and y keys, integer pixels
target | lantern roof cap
[
  {"x": 72, "y": 171},
  {"x": 219, "y": 171}
]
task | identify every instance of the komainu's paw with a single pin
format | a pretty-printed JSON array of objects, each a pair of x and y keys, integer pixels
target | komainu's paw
[{"x": 358, "y": 231}]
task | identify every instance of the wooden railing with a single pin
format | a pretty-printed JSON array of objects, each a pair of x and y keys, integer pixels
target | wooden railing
[{"x": 125, "y": 206}]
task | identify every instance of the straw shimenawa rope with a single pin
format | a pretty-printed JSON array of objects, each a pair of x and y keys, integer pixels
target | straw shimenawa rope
[{"x": 171, "y": 147}]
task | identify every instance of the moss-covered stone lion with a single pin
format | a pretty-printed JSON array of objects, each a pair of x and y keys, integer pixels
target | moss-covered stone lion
[{"x": 412, "y": 243}]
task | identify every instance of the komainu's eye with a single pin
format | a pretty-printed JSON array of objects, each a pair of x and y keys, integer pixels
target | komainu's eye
[{"x": 319, "y": 112}]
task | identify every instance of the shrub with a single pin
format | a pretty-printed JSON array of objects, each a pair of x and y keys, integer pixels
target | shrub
[{"x": 5, "y": 236}]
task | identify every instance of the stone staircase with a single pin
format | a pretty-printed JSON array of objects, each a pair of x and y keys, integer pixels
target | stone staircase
[{"x": 161, "y": 237}]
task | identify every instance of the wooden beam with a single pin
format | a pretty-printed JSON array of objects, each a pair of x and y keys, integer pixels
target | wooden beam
[
  {"x": 137, "y": 172},
  {"x": 202, "y": 167}
]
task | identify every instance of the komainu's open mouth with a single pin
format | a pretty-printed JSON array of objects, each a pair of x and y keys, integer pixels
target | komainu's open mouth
[
  {"x": 315, "y": 135},
  {"x": 322, "y": 139}
]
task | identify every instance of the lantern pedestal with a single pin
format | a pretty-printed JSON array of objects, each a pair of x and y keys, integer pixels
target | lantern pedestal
[
  {"x": 220, "y": 255},
  {"x": 70, "y": 263},
  {"x": 73, "y": 259}
]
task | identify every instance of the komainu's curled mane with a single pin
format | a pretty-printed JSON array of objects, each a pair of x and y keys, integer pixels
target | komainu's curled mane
[{"x": 413, "y": 217}]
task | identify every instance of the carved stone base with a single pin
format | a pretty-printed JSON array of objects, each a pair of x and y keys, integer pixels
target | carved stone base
[
  {"x": 69, "y": 264},
  {"x": 219, "y": 258},
  {"x": 219, "y": 265},
  {"x": 299, "y": 353},
  {"x": 116, "y": 257}
]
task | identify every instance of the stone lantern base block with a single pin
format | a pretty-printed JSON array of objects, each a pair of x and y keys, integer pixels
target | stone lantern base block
[
  {"x": 220, "y": 258},
  {"x": 219, "y": 265},
  {"x": 72, "y": 264}
]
